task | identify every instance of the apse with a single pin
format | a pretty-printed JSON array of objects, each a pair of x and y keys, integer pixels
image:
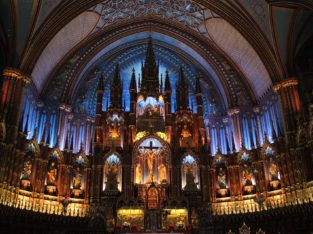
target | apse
[{"x": 156, "y": 116}]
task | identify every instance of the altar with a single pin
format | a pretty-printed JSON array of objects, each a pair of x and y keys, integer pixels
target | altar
[{"x": 160, "y": 220}]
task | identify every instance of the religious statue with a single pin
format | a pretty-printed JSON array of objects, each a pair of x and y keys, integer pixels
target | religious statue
[
  {"x": 190, "y": 181},
  {"x": 138, "y": 179},
  {"x": 77, "y": 179},
  {"x": 247, "y": 175},
  {"x": 26, "y": 174},
  {"x": 185, "y": 133},
  {"x": 52, "y": 173},
  {"x": 27, "y": 169},
  {"x": 111, "y": 183},
  {"x": 162, "y": 173},
  {"x": 155, "y": 109},
  {"x": 273, "y": 170},
  {"x": 149, "y": 111},
  {"x": 150, "y": 158},
  {"x": 221, "y": 178},
  {"x": 114, "y": 130}
]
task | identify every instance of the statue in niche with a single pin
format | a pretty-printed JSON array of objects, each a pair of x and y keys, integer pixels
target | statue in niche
[
  {"x": 114, "y": 130},
  {"x": 190, "y": 181},
  {"x": 247, "y": 175},
  {"x": 138, "y": 179},
  {"x": 27, "y": 169},
  {"x": 185, "y": 133},
  {"x": 221, "y": 178},
  {"x": 111, "y": 183},
  {"x": 185, "y": 136},
  {"x": 274, "y": 174},
  {"x": 26, "y": 173},
  {"x": 162, "y": 173},
  {"x": 273, "y": 170},
  {"x": 77, "y": 179},
  {"x": 52, "y": 173},
  {"x": 149, "y": 111},
  {"x": 155, "y": 109}
]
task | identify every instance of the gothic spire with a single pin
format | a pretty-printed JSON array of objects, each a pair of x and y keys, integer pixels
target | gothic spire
[
  {"x": 167, "y": 87},
  {"x": 182, "y": 92},
  {"x": 117, "y": 79},
  {"x": 150, "y": 72},
  {"x": 116, "y": 89},
  {"x": 133, "y": 85},
  {"x": 182, "y": 81},
  {"x": 150, "y": 58}
]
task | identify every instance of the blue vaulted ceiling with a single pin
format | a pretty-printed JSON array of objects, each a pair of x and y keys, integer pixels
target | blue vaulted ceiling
[{"x": 132, "y": 57}]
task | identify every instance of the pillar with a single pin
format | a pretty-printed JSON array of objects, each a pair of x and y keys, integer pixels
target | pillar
[
  {"x": 289, "y": 101},
  {"x": 14, "y": 82},
  {"x": 234, "y": 113}
]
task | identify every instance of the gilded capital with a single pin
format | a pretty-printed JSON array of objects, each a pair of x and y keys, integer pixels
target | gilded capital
[
  {"x": 233, "y": 111},
  {"x": 12, "y": 73},
  {"x": 285, "y": 84},
  {"x": 65, "y": 107}
]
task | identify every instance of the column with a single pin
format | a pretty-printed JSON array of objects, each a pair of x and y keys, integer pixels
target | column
[
  {"x": 289, "y": 101},
  {"x": 64, "y": 111},
  {"x": 234, "y": 113},
  {"x": 11, "y": 100}
]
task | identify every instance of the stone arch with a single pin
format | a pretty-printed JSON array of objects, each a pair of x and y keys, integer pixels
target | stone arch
[{"x": 207, "y": 52}]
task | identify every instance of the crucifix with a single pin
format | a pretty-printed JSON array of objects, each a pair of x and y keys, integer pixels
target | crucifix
[{"x": 150, "y": 156}]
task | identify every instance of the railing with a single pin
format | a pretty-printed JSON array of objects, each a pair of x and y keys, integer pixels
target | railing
[{"x": 42, "y": 203}]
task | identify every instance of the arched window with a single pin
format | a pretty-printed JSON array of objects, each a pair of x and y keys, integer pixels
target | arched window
[
  {"x": 190, "y": 173},
  {"x": 112, "y": 179}
]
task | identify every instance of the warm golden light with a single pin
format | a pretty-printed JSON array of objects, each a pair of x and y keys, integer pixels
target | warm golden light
[
  {"x": 162, "y": 135},
  {"x": 140, "y": 135}
]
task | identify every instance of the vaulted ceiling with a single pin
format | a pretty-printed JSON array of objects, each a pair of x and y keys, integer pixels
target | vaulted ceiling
[{"x": 240, "y": 47}]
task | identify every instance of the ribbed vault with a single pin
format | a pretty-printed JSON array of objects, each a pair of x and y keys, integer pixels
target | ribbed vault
[{"x": 191, "y": 16}]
